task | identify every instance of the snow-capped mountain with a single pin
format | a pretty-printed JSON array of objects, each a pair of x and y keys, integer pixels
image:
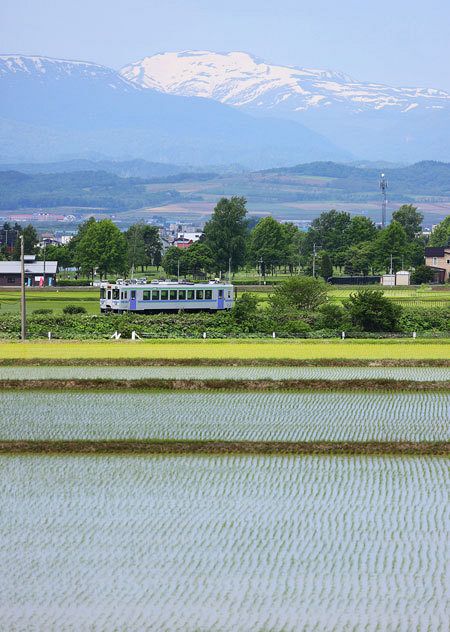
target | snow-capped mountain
[
  {"x": 47, "y": 69},
  {"x": 244, "y": 81},
  {"x": 52, "y": 107},
  {"x": 372, "y": 120}
]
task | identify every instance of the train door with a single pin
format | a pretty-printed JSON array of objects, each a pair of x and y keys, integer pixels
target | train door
[
  {"x": 220, "y": 300},
  {"x": 132, "y": 299}
]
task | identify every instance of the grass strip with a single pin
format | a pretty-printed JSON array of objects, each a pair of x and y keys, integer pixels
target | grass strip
[
  {"x": 141, "y": 362},
  {"x": 161, "y": 384},
  {"x": 395, "y": 448}
]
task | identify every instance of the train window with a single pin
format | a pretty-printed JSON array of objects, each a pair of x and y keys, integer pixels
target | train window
[
  {"x": 173, "y": 295},
  {"x": 124, "y": 295},
  {"x": 133, "y": 294},
  {"x": 220, "y": 293},
  {"x": 199, "y": 295},
  {"x": 155, "y": 295},
  {"x": 182, "y": 295},
  {"x": 190, "y": 295},
  {"x": 116, "y": 294},
  {"x": 208, "y": 295},
  {"x": 164, "y": 295},
  {"x": 102, "y": 292},
  {"x": 109, "y": 295},
  {"x": 146, "y": 295}
]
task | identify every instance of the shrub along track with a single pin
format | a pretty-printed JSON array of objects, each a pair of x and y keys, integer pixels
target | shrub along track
[
  {"x": 173, "y": 447},
  {"x": 156, "y": 384}
]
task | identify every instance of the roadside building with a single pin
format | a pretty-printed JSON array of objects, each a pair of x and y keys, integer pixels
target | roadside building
[
  {"x": 438, "y": 259},
  {"x": 37, "y": 273}
]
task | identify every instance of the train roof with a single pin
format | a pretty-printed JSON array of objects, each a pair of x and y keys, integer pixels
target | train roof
[{"x": 136, "y": 283}]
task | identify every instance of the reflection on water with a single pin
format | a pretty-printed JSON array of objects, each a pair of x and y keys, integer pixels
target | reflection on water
[
  {"x": 271, "y": 416},
  {"x": 223, "y": 543},
  {"x": 226, "y": 373}
]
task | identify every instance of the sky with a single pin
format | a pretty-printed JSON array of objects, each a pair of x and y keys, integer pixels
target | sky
[{"x": 397, "y": 42}]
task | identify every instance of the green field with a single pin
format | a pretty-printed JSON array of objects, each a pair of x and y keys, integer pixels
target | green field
[
  {"x": 57, "y": 299},
  {"x": 218, "y": 350}
]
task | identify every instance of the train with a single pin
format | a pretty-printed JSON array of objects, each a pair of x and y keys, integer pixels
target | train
[{"x": 138, "y": 296}]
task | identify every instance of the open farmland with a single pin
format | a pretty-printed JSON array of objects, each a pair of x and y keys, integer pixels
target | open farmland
[
  {"x": 225, "y": 351},
  {"x": 171, "y": 416},
  {"x": 224, "y": 543}
]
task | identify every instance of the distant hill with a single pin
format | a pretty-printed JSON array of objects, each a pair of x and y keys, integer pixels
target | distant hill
[
  {"x": 422, "y": 178},
  {"x": 51, "y": 108},
  {"x": 95, "y": 189}
]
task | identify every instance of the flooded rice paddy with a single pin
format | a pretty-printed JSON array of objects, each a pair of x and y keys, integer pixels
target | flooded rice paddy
[
  {"x": 260, "y": 416},
  {"x": 223, "y": 543},
  {"x": 224, "y": 373}
]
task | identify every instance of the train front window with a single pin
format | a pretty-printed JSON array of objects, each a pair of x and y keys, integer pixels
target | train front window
[
  {"x": 116, "y": 294},
  {"x": 220, "y": 293},
  {"x": 173, "y": 295},
  {"x": 102, "y": 293},
  {"x": 182, "y": 295},
  {"x": 190, "y": 295},
  {"x": 199, "y": 295},
  {"x": 146, "y": 295},
  {"x": 164, "y": 295},
  {"x": 208, "y": 295},
  {"x": 109, "y": 295},
  {"x": 155, "y": 295}
]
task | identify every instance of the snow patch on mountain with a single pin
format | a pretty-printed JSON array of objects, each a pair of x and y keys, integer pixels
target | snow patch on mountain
[{"x": 241, "y": 80}]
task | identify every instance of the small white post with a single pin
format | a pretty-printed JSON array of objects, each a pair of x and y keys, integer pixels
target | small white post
[
  {"x": 204, "y": 335},
  {"x": 274, "y": 334},
  {"x": 343, "y": 335},
  {"x": 414, "y": 335},
  {"x": 49, "y": 335}
]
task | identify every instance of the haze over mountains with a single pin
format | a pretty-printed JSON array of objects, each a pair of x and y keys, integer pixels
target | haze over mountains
[
  {"x": 370, "y": 120},
  {"x": 201, "y": 108},
  {"x": 52, "y": 108}
]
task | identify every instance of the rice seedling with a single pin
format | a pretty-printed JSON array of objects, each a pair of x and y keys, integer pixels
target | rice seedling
[
  {"x": 224, "y": 543},
  {"x": 232, "y": 416}
]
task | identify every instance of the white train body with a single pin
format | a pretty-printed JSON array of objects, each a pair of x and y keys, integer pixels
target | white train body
[{"x": 165, "y": 296}]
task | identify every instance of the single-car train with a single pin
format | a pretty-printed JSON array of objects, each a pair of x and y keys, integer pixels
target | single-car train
[{"x": 165, "y": 296}]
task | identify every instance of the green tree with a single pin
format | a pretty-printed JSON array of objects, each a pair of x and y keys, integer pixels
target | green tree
[
  {"x": 226, "y": 232},
  {"x": 422, "y": 274},
  {"x": 329, "y": 232},
  {"x": 360, "y": 229},
  {"x": 73, "y": 243},
  {"x": 244, "y": 311},
  {"x": 359, "y": 258},
  {"x": 30, "y": 241},
  {"x": 172, "y": 257},
  {"x": 59, "y": 253},
  {"x": 302, "y": 293},
  {"x": 293, "y": 238},
  {"x": 268, "y": 243},
  {"x": 326, "y": 267},
  {"x": 104, "y": 247},
  {"x": 370, "y": 310},
  {"x": 410, "y": 218},
  {"x": 440, "y": 237},
  {"x": 136, "y": 255},
  {"x": 198, "y": 258},
  {"x": 391, "y": 241},
  {"x": 152, "y": 245}
]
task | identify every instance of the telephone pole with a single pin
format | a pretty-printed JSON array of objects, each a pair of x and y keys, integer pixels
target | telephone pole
[
  {"x": 383, "y": 187},
  {"x": 314, "y": 261},
  {"x": 23, "y": 312}
]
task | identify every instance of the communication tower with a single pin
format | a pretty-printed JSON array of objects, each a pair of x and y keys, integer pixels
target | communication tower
[{"x": 383, "y": 188}]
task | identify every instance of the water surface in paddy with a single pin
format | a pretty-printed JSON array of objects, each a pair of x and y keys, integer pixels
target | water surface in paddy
[
  {"x": 257, "y": 416},
  {"x": 223, "y": 543},
  {"x": 225, "y": 373}
]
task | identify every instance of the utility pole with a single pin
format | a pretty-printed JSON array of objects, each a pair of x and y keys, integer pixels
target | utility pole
[
  {"x": 383, "y": 187},
  {"x": 229, "y": 270},
  {"x": 45, "y": 254},
  {"x": 314, "y": 260},
  {"x": 23, "y": 312},
  {"x": 391, "y": 268},
  {"x": 178, "y": 270}
]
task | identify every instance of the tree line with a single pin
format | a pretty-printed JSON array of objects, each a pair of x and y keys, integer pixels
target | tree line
[{"x": 335, "y": 243}]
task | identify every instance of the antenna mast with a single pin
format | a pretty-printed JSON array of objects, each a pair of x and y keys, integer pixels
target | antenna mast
[{"x": 383, "y": 188}]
